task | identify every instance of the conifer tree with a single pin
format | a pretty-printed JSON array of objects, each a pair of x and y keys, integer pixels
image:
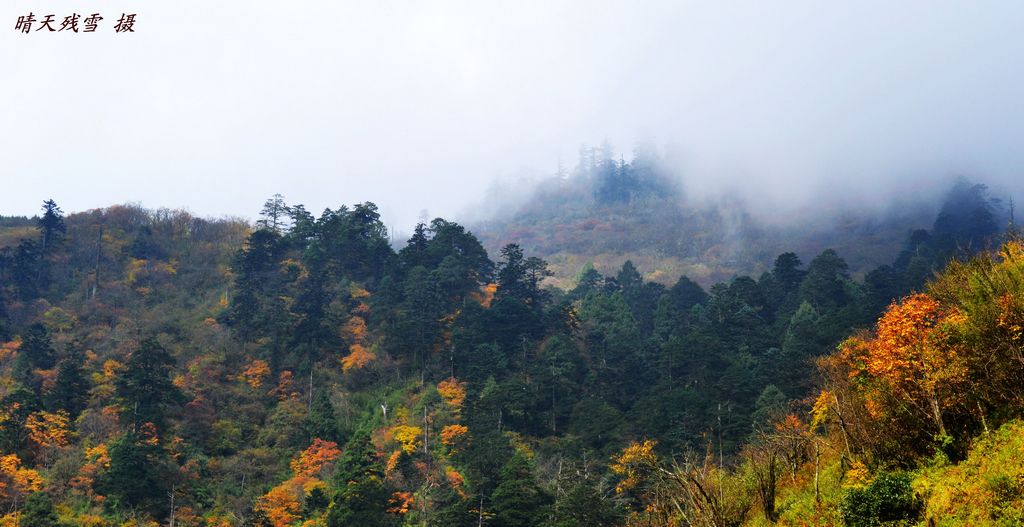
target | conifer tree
[
  {"x": 138, "y": 476},
  {"x": 361, "y": 497},
  {"x": 322, "y": 422},
  {"x": 71, "y": 388},
  {"x": 518, "y": 501},
  {"x": 583, "y": 506},
  {"x": 274, "y": 214},
  {"x": 38, "y": 511},
  {"x": 25, "y": 269},
  {"x": 51, "y": 225},
  {"x": 36, "y": 353},
  {"x": 144, "y": 386}
]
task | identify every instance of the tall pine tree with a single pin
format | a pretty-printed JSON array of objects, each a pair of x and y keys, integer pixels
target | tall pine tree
[{"x": 144, "y": 386}]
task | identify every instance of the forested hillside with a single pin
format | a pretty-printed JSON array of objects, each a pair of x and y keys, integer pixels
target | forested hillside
[
  {"x": 607, "y": 210},
  {"x": 917, "y": 421},
  {"x": 162, "y": 369}
]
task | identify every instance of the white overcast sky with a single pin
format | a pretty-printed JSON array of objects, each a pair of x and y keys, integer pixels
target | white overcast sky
[{"x": 215, "y": 105}]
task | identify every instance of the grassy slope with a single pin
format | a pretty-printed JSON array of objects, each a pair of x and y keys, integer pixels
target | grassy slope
[{"x": 985, "y": 489}]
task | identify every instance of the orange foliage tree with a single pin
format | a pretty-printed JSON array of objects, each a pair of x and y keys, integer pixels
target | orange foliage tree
[
  {"x": 285, "y": 388},
  {"x": 8, "y": 349},
  {"x": 354, "y": 329},
  {"x": 96, "y": 459},
  {"x": 453, "y": 392},
  {"x": 312, "y": 460},
  {"x": 15, "y": 480},
  {"x": 634, "y": 463},
  {"x": 282, "y": 504},
  {"x": 357, "y": 358},
  {"x": 913, "y": 359},
  {"x": 452, "y": 433},
  {"x": 400, "y": 503},
  {"x": 48, "y": 430},
  {"x": 256, "y": 373},
  {"x": 456, "y": 480}
]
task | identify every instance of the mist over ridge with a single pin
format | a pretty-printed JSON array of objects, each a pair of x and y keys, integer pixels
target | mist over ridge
[{"x": 609, "y": 208}]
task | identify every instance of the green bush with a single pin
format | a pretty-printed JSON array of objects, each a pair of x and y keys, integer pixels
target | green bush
[{"x": 889, "y": 498}]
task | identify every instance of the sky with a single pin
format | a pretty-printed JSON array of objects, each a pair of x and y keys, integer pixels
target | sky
[{"x": 420, "y": 105}]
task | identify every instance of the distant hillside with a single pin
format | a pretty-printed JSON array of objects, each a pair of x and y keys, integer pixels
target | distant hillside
[{"x": 608, "y": 211}]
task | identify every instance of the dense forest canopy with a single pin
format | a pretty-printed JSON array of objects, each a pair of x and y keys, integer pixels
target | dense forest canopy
[{"x": 302, "y": 371}]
